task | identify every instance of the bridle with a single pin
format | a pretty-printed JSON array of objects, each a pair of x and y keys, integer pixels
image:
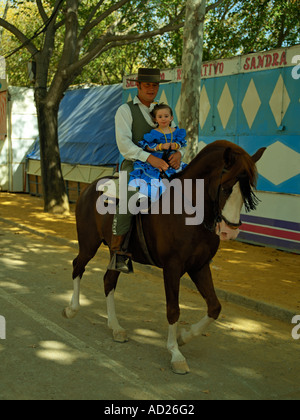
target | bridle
[{"x": 218, "y": 216}]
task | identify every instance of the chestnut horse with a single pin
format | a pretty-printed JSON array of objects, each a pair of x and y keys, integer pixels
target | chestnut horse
[{"x": 177, "y": 247}]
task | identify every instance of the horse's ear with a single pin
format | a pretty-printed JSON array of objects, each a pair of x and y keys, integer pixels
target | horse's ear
[
  {"x": 229, "y": 157},
  {"x": 258, "y": 154}
]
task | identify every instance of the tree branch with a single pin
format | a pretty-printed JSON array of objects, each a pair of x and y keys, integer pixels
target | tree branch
[
  {"x": 26, "y": 42},
  {"x": 109, "y": 41},
  {"x": 42, "y": 10},
  {"x": 70, "y": 44},
  {"x": 93, "y": 12},
  {"x": 90, "y": 25},
  {"x": 213, "y": 6}
]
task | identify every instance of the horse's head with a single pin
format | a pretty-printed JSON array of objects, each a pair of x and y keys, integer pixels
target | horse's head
[{"x": 233, "y": 185}]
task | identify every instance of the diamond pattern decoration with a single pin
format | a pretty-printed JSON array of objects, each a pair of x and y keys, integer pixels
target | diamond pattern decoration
[
  {"x": 201, "y": 145},
  {"x": 204, "y": 107},
  {"x": 251, "y": 103},
  {"x": 178, "y": 108},
  {"x": 225, "y": 106},
  {"x": 163, "y": 98},
  {"x": 273, "y": 165},
  {"x": 279, "y": 101}
]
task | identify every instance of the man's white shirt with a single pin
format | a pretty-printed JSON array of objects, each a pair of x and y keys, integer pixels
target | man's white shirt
[{"x": 123, "y": 126}]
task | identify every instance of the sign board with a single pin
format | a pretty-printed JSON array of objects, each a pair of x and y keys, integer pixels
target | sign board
[{"x": 266, "y": 60}]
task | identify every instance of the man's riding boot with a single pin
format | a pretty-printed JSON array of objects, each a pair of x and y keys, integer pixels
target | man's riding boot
[{"x": 121, "y": 259}]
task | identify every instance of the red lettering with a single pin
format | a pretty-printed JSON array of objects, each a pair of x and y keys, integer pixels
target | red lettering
[
  {"x": 247, "y": 64},
  {"x": 204, "y": 67},
  {"x": 283, "y": 59},
  {"x": 162, "y": 76},
  {"x": 221, "y": 67},
  {"x": 260, "y": 61},
  {"x": 253, "y": 63},
  {"x": 179, "y": 71},
  {"x": 275, "y": 59},
  {"x": 268, "y": 60}
]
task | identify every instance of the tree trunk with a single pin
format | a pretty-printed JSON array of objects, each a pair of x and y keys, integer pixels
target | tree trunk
[
  {"x": 54, "y": 192},
  {"x": 191, "y": 73}
]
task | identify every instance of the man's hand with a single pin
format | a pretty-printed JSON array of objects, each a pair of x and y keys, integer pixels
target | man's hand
[
  {"x": 175, "y": 160},
  {"x": 158, "y": 163}
]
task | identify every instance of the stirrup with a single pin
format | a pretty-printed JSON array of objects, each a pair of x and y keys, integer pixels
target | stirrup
[{"x": 121, "y": 263}]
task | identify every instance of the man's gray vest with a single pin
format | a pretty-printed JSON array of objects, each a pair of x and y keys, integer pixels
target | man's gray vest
[
  {"x": 122, "y": 222},
  {"x": 139, "y": 125},
  {"x": 139, "y": 128}
]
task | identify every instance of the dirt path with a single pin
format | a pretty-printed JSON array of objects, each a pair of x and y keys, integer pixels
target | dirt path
[
  {"x": 264, "y": 274},
  {"x": 244, "y": 355}
]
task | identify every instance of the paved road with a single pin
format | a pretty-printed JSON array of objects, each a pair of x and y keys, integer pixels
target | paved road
[{"x": 244, "y": 355}]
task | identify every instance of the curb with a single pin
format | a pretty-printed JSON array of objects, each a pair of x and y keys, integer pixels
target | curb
[{"x": 264, "y": 308}]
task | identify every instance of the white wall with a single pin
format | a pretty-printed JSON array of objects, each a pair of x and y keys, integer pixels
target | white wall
[{"x": 22, "y": 131}]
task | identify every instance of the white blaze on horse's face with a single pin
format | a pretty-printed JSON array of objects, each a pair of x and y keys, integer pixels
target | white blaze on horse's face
[{"x": 231, "y": 212}]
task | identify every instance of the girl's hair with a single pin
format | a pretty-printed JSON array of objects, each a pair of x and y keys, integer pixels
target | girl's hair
[{"x": 158, "y": 107}]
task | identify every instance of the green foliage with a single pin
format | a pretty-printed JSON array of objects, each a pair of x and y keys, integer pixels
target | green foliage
[
  {"x": 241, "y": 27},
  {"x": 234, "y": 27}
]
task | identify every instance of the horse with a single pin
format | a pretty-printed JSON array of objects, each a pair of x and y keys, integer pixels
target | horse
[{"x": 175, "y": 246}]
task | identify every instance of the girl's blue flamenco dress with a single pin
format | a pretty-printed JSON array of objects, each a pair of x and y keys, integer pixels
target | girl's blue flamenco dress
[{"x": 147, "y": 178}]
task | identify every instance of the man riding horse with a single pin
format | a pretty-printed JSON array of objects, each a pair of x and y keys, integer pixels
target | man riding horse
[{"x": 132, "y": 122}]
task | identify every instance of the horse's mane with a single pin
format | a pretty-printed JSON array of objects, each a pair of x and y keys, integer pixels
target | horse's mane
[
  {"x": 244, "y": 169},
  {"x": 241, "y": 168}
]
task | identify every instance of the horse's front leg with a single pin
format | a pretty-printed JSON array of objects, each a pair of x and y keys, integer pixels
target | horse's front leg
[
  {"x": 203, "y": 281},
  {"x": 195, "y": 330},
  {"x": 171, "y": 279},
  {"x": 110, "y": 282},
  {"x": 178, "y": 361}
]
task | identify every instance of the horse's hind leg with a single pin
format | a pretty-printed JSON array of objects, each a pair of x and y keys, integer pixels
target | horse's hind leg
[
  {"x": 88, "y": 247},
  {"x": 71, "y": 311},
  {"x": 110, "y": 283}
]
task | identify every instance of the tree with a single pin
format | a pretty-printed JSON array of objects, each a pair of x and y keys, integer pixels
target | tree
[
  {"x": 242, "y": 27},
  {"x": 191, "y": 71},
  {"x": 90, "y": 29}
]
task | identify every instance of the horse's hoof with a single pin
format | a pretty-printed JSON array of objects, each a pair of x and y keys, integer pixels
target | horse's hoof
[
  {"x": 69, "y": 313},
  {"x": 120, "y": 336},
  {"x": 180, "y": 368}
]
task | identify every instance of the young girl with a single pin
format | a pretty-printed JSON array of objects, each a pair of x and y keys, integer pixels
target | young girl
[{"x": 161, "y": 141}]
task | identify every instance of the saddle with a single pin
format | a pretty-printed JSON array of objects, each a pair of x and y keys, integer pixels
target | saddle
[{"x": 111, "y": 189}]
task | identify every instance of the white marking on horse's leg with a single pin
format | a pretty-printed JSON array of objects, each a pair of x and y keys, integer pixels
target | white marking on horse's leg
[
  {"x": 71, "y": 311},
  {"x": 178, "y": 362},
  {"x": 119, "y": 333},
  {"x": 196, "y": 329}
]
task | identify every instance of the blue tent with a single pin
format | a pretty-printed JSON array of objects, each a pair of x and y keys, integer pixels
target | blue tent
[{"x": 86, "y": 130}]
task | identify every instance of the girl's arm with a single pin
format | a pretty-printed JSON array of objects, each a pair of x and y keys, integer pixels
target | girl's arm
[{"x": 159, "y": 147}]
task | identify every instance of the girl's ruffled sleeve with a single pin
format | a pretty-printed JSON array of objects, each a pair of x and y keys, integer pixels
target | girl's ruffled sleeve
[
  {"x": 180, "y": 137},
  {"x": 149, "y": 140}
]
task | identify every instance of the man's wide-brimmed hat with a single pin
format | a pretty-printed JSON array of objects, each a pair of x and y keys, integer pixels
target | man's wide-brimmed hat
[{"x": 149, "y": 76}]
